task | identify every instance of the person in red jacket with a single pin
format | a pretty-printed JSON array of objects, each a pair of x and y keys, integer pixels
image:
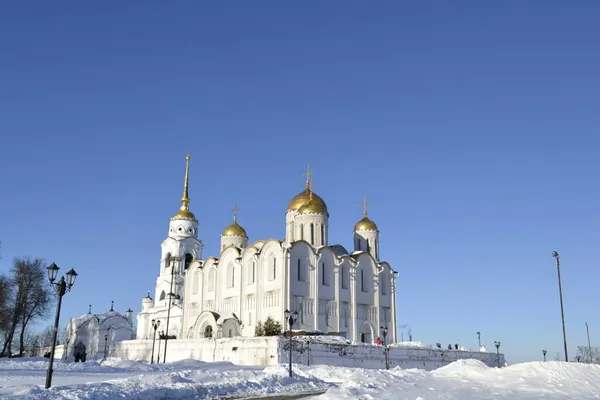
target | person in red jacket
[{"x": 378, "y": 342}]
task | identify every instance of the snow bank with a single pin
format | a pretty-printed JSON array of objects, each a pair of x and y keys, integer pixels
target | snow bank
[{"x": 188, "y": 379}]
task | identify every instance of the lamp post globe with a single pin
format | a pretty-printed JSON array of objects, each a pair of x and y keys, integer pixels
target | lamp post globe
[
  {"x": 52, "y": 272},
  {"x": 286, "y": 313},
  {"x": 71, "y": 276},
  {"x": 497, "y": 344},
  {"x": 544, "y": 352}
]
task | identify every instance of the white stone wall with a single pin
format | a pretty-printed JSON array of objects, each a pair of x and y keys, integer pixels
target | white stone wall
[
  {"x": 261, "y": 351},
  {"x": 239, "y": 351}
]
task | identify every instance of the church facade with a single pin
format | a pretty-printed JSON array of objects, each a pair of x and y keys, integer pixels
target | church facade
[{"x": 351, "y": 294}]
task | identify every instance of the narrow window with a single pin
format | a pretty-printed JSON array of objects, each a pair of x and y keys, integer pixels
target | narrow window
[
  {"x": 230, "y": 275},
  {"x": 322, "y": 235},
  {"x": 188, "y": 260},
  {"x": 358, "y": 244},
  {"x": 301, "y": 232},
  {"x": 323, "y": 274},
  {"x": 299, "y": 271},
  {"x": 368, "y": 245},
  {"x": 162, "y": 295},
  {"x": 344, "y": 273},
  {"x": 211, "y": 279},
  {"x": 362, "y": 280},
  {"x": 167, "y": 258},
  {"x": 312, "y": 234},
  {"x": 377, "y": 248},
  {"x": 195, "y": 282}
]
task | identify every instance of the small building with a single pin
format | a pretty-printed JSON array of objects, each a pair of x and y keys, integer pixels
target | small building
[{"x": 91, "y": 336}]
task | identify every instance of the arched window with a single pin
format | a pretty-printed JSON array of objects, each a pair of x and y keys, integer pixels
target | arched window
[
  {"x": 368, "y": 245},
  {"x": 167, "y": 260},
  {"x": 322, "y": 235},
  {"x": 273, "y": 270},
  {"x": 251, "y": 272},
  {"x": 230, "y": 275},
  {"x": 211, "y": 279},
  {"x": 377, "y": 248},
  {"x": 195, "y": 282},
  {"x": 301, "y": 232},
  {"x": 344, "y": 277},
  {"x": 358, "y": 244},
  {"x": 188, "y": 260},
  {"x": 362, "y": 280},
  {"x": 208, "y": 332},
  {"x": 324, "y": 276},
  {"x": 162, "y": 295},
  {"x": 312, "y": 234},
  {"x": 299, "y": 271}
]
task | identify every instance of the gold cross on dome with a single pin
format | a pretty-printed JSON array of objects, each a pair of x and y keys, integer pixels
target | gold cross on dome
[
  {"x": 308, "y": 174},
  {"x": 364, "y": 205},
  {"x": 235, "y": 210}
]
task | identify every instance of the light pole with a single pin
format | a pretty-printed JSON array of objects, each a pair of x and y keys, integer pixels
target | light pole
[
  {"x": 479, "y": 339},
  {"x": 544, "y": 352},
  {"x": 66, "y": 355},
  {"x": 61, "y": 288},
  {"x": 161, "y": 334},
  {"x": 384, "y": 331},
  {"x": 291, "y": 319},
  {"x": 171, "y": 261},
  {"x": 497, "y": 344},
  {"x": 562, "y": 312},
  {"x": 155, "y": 325},
  {"x": 105, "y": 345},
  {"x": 587, "y": 330}
]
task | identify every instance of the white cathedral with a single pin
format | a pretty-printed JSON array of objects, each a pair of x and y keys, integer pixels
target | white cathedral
[{"x": 351, "y": 294}]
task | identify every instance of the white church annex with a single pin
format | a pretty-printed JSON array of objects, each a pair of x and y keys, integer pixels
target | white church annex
[{"x": 351, "y": 294}]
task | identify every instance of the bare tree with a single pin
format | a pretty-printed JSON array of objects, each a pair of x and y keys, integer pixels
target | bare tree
[
  {"x": 583, "y": 352},
  {"x": 32, "y": 299}
]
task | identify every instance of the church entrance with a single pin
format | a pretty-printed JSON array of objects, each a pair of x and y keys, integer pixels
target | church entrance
[
  {"x": 208, "y": 332},
  {"x": 366, "y": 333}
]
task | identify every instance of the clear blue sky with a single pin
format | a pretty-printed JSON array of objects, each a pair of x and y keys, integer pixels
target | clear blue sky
[{"x": 471, "y": 126}]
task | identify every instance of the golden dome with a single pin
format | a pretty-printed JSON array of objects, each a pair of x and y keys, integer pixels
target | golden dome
[
  {"x": 184, "y": 214},
  {"x": 365, "y": 224},
  {"x": 316, "y": 206},
  {"x": 234, "y": 230}
]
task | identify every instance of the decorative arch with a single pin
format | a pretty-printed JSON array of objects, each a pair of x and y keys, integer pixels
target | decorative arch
[
  {"x": 205, "y": 323},
  {"x": 366, "y": 333}
]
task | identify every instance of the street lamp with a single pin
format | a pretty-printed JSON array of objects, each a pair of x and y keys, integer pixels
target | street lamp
[
  {"x": 497, "y": 344},
  {"x": 155, "y": 325},
  {"x": 384, "y": 331},
  {"x": 171, "y": 294},
  {"x": 291, "y": 319},
  {"x": 479, "y": 339},
  {"x": 587, "y": 329},
  {"x": 161, "y": 334},
  {"x": 544, "y": 352},
  {"x": 562, "y": 312},
  {"x": 105, "y": 345},
  {"x": 61, "y": 287}
]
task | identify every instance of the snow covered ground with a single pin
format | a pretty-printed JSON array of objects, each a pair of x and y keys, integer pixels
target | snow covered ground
[{"x": 466, "y": 380}]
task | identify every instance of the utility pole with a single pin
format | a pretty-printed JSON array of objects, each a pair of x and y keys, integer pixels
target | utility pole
[
  {"x": 562, "y": 311},
  {"x": 587, "y": 329}
]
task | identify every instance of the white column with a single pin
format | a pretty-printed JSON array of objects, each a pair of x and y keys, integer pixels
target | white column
[{"x": 353, "y": 304}]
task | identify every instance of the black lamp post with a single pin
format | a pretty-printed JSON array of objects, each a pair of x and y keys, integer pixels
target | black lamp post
[
  {"x": 497, "y": 344},
  {"x": 61, "y": 288},
  {"x": 384, "y": 331},
  {"x": 479, "y": 339},
  {"x": 66, "y": 355},
  {"x": 105, "y": 345},
  {"x": 291, "y": 319},
  {"x": 155, "y": 325},
  {"x": 171, "y": 295},
  {"x": 160, "y": 336},
  {"x": 562, "y": 312},
  {"x": 544, "y": 352}
]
